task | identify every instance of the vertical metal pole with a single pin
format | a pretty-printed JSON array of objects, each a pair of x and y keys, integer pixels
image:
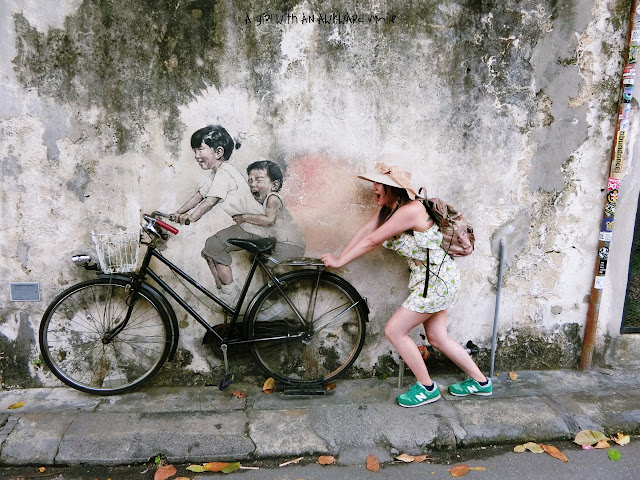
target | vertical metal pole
[
  {"x": 617, "y": 154},
  {"x": 494, "y": 338}
]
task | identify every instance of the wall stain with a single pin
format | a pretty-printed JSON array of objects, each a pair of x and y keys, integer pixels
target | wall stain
[
  {"x": 128, "y": 58},
  {"x": 79, "y": 182}
]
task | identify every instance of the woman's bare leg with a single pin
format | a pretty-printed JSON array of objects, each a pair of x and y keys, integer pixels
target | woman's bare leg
[
  {"x": 436, "y": 329},
  {"x": 397, "y": 330}
]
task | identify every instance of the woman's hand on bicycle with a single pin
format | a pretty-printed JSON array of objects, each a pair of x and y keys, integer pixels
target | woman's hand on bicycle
[{"x": 331, "y": 260}]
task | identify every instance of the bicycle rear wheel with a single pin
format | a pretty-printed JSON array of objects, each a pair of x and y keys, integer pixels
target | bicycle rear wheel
[
  {"x": 319, "y": 351},
  {"x": 75, "y": 324}
]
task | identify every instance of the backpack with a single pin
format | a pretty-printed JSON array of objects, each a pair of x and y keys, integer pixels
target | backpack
[{"x": 458, "y": 239}]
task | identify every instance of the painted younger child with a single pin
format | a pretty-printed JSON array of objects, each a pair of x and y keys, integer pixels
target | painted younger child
[{"x": 265, "y": 181}]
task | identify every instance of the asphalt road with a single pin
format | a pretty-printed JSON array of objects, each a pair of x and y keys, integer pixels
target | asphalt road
[{"x": 500, "y": 463}]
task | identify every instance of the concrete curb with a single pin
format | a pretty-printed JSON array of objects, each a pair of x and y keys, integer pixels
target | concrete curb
[{"x": 59, "y": 426}]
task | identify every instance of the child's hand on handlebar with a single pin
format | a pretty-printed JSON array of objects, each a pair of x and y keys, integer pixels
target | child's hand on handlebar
[{"x": 182, "y": 218}]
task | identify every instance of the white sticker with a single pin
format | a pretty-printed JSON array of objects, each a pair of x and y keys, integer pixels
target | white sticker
[
  {"x": 599, "y": 283},
  {"x": 635, "y": 35},
  {"x": 605, "y": 236}
]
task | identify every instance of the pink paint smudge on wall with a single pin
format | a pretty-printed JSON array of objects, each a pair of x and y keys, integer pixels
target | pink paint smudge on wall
[{"x": 326, "y": 201}]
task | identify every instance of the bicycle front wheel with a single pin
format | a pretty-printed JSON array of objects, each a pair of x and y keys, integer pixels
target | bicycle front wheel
[
  {"x": 75, "y": 343},
  {"x": 318, "y": 349}
]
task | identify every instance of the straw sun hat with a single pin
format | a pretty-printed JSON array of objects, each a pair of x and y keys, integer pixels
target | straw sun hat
[{"x": 392, "y": 176}]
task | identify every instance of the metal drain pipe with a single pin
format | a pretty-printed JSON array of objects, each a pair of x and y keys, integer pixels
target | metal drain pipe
[
  {"x": 494, "y": 337},
  {"x": 625, "y": 97}
]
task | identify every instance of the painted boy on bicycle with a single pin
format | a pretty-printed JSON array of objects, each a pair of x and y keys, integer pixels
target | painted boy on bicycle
[{"x": 265, "y": 181}]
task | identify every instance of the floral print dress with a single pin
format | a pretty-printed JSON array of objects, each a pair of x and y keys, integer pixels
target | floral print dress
[{"x": 444, "y": 276}]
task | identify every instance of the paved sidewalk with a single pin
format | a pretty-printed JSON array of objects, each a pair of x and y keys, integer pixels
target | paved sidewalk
[{"x": 198, "y": 424}]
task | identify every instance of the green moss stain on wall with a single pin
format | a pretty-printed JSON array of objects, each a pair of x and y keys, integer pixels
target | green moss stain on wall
[{"x": 127, "y": 58}]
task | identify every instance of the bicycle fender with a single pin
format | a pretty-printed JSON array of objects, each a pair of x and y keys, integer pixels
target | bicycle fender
[{"x": 157, "y": 295}]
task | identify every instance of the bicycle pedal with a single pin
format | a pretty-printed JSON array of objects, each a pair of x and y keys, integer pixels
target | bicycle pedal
[{"x": 226, "y": 381}]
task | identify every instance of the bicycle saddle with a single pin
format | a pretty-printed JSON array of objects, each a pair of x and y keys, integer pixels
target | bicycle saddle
[{"x": 259, "y": 245}]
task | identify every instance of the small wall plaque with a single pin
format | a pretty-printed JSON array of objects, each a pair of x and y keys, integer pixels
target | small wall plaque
[{"x": 25, "y": 292}]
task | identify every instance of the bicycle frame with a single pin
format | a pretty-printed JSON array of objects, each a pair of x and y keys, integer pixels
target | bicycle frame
[{"x": 145, "y": 269}]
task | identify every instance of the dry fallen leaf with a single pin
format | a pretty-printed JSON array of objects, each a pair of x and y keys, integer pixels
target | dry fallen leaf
[
  {"x": 238, "y": 394},
  {"x": 554, "y": 452},
  {"x": 533, "y": 447},
  {"x": 421, "y": 458},
  {"x": 16, "y": 405},
  {"x": 621, "y": 439},
  {"x": 164, "y": 472},
  {"x": 405, "y": 458},
  {"x": 373, "y": 464},
  {"x": 326, "y": 460},
  {"x": 214, "y": 466},
  {"x": 330, "y": 386},
  {"x": 478, "y": 469},
  {"x": 196, "y": 468},
  {"x": 519, "y": 448},
  {"x": 602, "y": 444},
  {"x": 42, "y": 469},
  {"x": 269, "y": 385},
  {"x": 589, "y": 437},
  {"x": 231, "y": 467},
  {"x": 513, "y": 375},
  {"x": 459, "y": 470}
]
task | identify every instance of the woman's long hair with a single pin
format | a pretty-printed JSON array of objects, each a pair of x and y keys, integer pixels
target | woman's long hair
[{"x": 402, "y": 198}]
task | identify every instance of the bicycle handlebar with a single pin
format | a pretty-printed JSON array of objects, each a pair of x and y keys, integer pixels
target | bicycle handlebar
[
  {"x": 167, "y": 227},
  {"x": 170, "y": 216}
]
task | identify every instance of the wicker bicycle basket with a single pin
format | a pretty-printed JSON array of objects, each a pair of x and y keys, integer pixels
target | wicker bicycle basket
[{"x": 117, "y": 252}]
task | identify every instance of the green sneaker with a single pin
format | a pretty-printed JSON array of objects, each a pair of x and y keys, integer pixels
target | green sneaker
[
  {"x": 418, "y": 395},
  {"x": 470, "y": 387}
]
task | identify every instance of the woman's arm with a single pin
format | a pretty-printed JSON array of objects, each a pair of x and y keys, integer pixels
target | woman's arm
[
  {"x": 271, "y": 211},
  {"x": 408, "y": 217}
]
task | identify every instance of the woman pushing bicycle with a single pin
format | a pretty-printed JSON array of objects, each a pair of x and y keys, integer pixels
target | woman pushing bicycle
[{"x": 403, "y": 224}]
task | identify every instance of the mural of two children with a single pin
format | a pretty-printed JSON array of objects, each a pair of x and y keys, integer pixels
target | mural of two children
[{"x": 254, "y": 204}]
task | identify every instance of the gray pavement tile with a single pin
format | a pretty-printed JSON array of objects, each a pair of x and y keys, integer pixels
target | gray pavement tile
[
  {"x": 407, "y": 430},
  {"x": 174, "y": 399},
  {"x": 365, "y": 391},
  {"x": 38, "y": 400},
  {"x": 284, "y": 433},
  {"x": 35, "y": 438},
  {"x": 501, "y": 420},
  {"x": 120, "y": 438},
  {"x": 604, "y": 410}
]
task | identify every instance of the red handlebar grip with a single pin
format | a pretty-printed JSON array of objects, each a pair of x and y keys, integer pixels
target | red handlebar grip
[{"x": 167, "y": 227}]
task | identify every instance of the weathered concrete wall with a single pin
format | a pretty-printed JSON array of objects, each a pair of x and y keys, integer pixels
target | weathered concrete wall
[{"x": 506, "y": 109}]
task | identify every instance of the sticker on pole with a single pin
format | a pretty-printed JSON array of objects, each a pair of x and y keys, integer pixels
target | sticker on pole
[
  {"x": 602, "y": 267},
  {"x": 605, "y": 236},
  {"x": 613, "y": 184},
  {"x": 599, "y": 283}
]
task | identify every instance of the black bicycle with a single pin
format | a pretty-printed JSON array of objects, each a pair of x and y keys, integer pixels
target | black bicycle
[{"x": 110, "y": 334}]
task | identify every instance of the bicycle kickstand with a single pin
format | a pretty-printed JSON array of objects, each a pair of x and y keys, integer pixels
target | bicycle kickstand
[{"x": 227, "y": 380}]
